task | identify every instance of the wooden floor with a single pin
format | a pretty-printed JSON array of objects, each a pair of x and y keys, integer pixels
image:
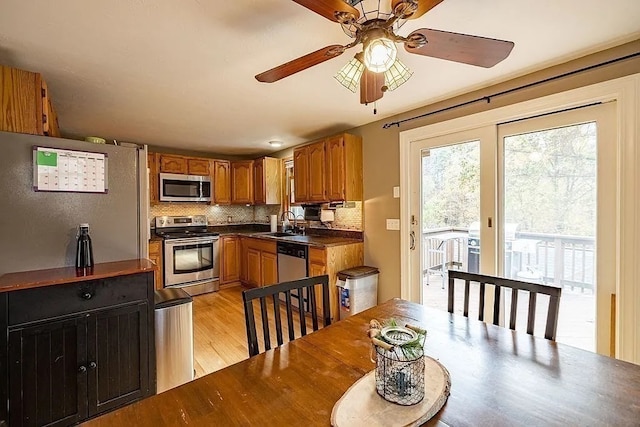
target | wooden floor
[{"x": 219, "y": 332}]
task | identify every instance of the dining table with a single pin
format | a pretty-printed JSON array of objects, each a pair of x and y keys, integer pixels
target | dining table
[{"x": 499, "y": 377}]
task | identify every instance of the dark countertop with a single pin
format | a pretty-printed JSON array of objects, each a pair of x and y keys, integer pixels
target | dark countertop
[
  {"x": 311, "y": 240},
  {"x": 56, "y": 276}
]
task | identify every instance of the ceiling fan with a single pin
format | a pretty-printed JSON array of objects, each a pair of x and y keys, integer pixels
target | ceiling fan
[{"x": 377, "y": 67}]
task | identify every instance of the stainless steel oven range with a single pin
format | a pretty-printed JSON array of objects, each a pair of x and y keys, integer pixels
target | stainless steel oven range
[{"x": 191, "y": 253}]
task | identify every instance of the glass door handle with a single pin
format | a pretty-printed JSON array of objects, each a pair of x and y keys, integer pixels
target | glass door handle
[{"x": 412, "y": 235}]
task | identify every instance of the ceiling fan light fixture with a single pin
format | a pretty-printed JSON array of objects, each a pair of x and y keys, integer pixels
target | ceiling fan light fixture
[
  {"x": 397, "y": 75},
  {"x": 349, "y": 75},
  {"x": 380, "y": 54}
]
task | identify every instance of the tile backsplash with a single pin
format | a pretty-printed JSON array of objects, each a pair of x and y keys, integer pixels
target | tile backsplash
[{"x": 345, "y": 218}]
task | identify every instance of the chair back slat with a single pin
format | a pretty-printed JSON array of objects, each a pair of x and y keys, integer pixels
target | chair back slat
[
  {"x": 288, "y": 304},
  {"x": 533, "y": 289},
  {"x": 481, "y": 313},
  {"x": 467, "y": 285},
  {"x": 277, "y": 320},
  {"x": 265, "y": 323},
  {"x": 305, "y": 289},
  {"x": 514, "y": 308},
  {"x": 531, "y": 318}
]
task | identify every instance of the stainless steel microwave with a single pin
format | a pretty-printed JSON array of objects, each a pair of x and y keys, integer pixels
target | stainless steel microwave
[{"x": 184, "y": 188}]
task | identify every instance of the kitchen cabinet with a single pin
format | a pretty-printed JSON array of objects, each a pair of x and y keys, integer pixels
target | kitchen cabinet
[
  {"x": 266, "y": 181},
  {"x": 198, "y": 167},
  {"x": 77, "y": 349},
  {"x": 154, "y": 170},
  {"x": 309, "y": 173},
  {"x": 330, "y": 260},
  {"x": 301, "y": 174},
  {"x": 329, "y": 170},
  {"x": 173, "y": 164},
  {"x": 229, "y": 259},
  {"x": 242, "y": 182},
  {"x": 155, "y": 255},
  {"x": 344, "y": 168},
  {"x": 26, "y": 105},
  {"x": 260, "y": 262},
  {"x": 221, "y": 177}
]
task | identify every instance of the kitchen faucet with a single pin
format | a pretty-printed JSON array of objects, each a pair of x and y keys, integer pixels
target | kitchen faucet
[{"x": 283, "y": 218}]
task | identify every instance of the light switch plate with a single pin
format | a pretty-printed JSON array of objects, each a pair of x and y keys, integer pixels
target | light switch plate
[
  {"x": 396, "y": 192},
  {"x": 393, "y": 224}
]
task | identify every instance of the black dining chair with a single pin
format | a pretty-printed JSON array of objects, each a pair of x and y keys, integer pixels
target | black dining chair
[
  {"x": 271, "y": 295},
  {"x": 515, "y": 285}
]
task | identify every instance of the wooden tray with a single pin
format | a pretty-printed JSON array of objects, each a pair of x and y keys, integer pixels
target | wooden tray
[{"x": 361, "y": 405}]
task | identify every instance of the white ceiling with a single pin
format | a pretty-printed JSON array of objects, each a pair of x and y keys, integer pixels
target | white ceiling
[{"x": 180, "y": 73}]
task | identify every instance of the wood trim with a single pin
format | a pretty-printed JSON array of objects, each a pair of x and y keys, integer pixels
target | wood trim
[{"x": 612, "y": 336}]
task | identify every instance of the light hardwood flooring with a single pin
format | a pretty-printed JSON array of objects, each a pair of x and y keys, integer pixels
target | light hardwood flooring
[{"x": 219, "y": 332}]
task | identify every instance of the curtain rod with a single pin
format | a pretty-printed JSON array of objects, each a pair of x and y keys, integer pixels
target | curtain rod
[{"x": 488, "y": 98}]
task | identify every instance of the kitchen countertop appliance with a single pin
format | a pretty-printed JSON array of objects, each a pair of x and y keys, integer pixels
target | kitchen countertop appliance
[{"x": 191, "y": 253}]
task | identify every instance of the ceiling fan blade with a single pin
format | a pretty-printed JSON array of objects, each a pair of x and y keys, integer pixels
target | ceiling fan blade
[
  {"x": 371, "y": 86},
  {"x": 299, "y": 64},
  {"x": 334, "y": 10},
  {"x": 472, "y": 50},
  {"x": 424, "y": 6}
]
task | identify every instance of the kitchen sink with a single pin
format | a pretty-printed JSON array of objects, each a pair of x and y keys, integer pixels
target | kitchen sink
[{"x": 280, "y": 234}]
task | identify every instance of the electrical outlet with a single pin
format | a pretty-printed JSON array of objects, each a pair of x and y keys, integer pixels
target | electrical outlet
[
  {"x": 396, "y": 192},
  {"x": 393, "y": 224}
]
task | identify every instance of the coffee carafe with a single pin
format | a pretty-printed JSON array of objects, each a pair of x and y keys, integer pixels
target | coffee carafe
[{"x": 84, "y": 250}]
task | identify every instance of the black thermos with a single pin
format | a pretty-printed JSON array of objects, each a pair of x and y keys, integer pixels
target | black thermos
[{"x": 84, "y": 251}]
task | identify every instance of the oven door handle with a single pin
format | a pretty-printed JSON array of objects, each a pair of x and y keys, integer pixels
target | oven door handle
[{"x": 191, "y": 240}]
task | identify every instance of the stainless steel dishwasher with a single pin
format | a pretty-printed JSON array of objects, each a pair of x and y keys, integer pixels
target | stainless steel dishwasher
[
  {"x": 174, "y": 338},
  {"x": 292, "y": 265}
]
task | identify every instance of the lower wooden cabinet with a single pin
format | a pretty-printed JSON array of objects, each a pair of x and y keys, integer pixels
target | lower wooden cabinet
[
  {"x": 229, "y": 259},
  {"x": 77, "y": 350},
  {"x": 155, "y": 255},
  {"x": 259, "y": 262}
]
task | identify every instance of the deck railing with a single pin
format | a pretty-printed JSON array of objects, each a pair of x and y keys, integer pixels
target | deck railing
[{"x": 564, "y": 260}]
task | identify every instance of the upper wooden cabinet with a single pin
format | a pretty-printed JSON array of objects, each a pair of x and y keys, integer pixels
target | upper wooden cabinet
[
  {"x": 173, "y": 164},
  {"x": 329, "y": 170},
  {"x": 266, "y": 181},
  {"x": 242, "y": 182},
  {"x": 26, "y": 106},
  {"x": 344, "y": 168},
  {"x": 221, "y": 177},
  {"x": 154, "y": 190},
  {"x": 198, "y": 167}
]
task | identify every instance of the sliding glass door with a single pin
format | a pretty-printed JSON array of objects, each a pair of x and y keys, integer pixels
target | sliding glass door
[{"x": 532, "y": 200}]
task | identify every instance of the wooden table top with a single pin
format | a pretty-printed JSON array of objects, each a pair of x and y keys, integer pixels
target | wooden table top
[
  {"x": 56, "y": 276},
  {"x": 499, "y": 377}
]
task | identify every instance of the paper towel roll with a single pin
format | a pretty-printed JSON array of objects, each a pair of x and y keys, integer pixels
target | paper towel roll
[{"x": 273, "y": 221}]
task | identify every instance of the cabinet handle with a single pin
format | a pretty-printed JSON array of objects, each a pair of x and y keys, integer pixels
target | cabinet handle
[
  {"x": 82, "y": 369},
  {"x": 93, "y": 365},
  {"x": 87, "y": 295}
]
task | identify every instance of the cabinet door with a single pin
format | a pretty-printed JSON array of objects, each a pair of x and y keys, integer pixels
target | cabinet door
[
  {"x": 317, "y": 189},
  {"x": 154, "y": 190},
  {"x": 269, "y": 268},
  {"x": 155, "y": 255},
  {"x": 335, "y": 169},
  {"x": 198, "y": 167},
  {"x": 221, "y": 182},
  {"x": 254, "y": 275},
  {"x": 244, "y": 259},
  {"x": 242, "y": 182},
  {"x": 117, "y": 357},
  {"x": 301, "y": 174},
  {"x": 48, "y": 375},
  {"x": 21, "y": 100},
  {"x": 230, "y": 260},
  {"x": 173, "y": 164},
  {"x": 259, "y": 190}
]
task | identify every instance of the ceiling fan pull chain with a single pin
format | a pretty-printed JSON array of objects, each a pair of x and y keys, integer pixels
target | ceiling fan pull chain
[{"x": 375, "y": 107}]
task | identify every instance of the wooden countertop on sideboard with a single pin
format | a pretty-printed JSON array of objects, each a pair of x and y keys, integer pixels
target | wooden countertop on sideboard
[{"x": 56, "y": 276}]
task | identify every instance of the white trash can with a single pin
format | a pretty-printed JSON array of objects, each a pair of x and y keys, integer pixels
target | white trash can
[{"x": 358, "y": 288}]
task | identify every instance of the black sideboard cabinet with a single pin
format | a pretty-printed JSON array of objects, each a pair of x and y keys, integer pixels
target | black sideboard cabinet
[{"x": 76, "y": 350}]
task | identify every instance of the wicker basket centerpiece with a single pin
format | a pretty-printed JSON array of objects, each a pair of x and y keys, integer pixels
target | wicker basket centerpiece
[{"x": 398, "y": 352}]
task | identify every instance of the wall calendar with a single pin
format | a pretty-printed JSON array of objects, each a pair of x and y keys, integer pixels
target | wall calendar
[{"x": 69, "y": 170}]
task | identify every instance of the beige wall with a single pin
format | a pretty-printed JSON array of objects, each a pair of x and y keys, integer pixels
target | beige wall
[{"x": 382, "y": 152}]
